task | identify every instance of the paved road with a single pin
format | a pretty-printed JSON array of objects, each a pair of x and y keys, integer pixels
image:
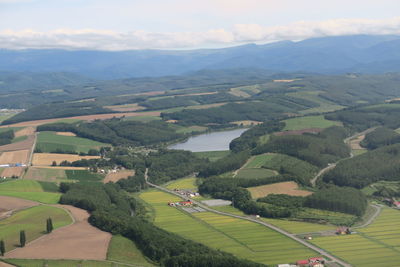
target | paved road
[
  {"x": 378, "y": 209},
  {"x": 273, "y": 227}
]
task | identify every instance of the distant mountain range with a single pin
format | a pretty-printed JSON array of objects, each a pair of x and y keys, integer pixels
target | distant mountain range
[{"x": 359, "y": 53}]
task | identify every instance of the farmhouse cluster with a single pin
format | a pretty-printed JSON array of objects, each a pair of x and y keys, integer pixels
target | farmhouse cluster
[
  {"x": 187, "y": 193},
  {"x": 311, "y": 262}
]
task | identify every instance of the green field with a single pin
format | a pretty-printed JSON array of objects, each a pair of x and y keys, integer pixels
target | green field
[
  {"x": 308, "y": 122},
  {"x": 19, "y": 139},
  {"x": 28, "y": 189},
  {"x": 45, "y": 174},
  {"x": 144, "y": 118},
  {"x": 212, "y": 155},
  {"x": 33, "y": 221},
  {"x": 83, "y": 176},
  {"x": 375, "y": 245},
  {"x": 288, "y": 164},
  {"x": 242, "y": 238},
  {"x": 49, "y": 142},
  {"x": 185, "y": 183},
  {"x": 324, "y": 105},
  {"x": 257, "y": 161},
  {"x": 297, "y": 227},
  {"x": 255, "y": 173},
  {"x": 123, "y": 250},
  {"x": 65, "y": 263}
]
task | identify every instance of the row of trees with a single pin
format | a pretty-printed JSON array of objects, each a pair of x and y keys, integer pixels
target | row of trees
[{"x": 6, "y": 137}]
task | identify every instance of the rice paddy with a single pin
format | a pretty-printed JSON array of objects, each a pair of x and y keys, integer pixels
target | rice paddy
[
  {"x": 375, "y": 245},
  {"x": 242, "y": 238}
]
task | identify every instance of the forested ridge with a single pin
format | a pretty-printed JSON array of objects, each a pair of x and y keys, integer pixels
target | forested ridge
[
  {"x": 381, "y": 136},
  {"x": 119, "y": 132},
  {"x": 317, "y": 149},
  {"x": 376, "y": 165}
]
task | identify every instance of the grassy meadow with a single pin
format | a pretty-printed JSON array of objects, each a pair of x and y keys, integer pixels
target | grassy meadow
[
  {"x": 123, "y": 250},
  {"x": 212, "y": 155},
  {"x": 28, "y": 189},
  {"x": 66, "y": 263},
  {"x": 185, "y": 183},
  {"x": 49, "y": 142},
  {"x": 33, "y": 221},
  {"x": 307, "y": 122}
]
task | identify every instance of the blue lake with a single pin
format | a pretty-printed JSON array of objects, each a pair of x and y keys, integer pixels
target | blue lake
[{"x": 217, "y": 141}]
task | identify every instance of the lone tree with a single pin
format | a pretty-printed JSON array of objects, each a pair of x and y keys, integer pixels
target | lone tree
[
  {"x": 22, "y": 238},
  {"x": 49, "y": 225},
  {"x": 2, "y": 248}
]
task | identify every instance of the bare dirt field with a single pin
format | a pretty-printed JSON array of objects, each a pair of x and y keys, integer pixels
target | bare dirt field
[
  {"x": 85, "y": 118},
  {"x": 355, "y": 143},
  {"x": 46, "y": 159},
  {"x": 12, "y": 157},
  {"x": 77, "y": 241},
  {"x": 13, "y": 172},
  {"x": 288, "y": 188},
  {"x": 300, "y": 132},
  {"x": 26, "y": 144},
  {"x": 115, "y": 177},
  {"x": 25, "y": 132},
  {"x": 65, "y": 133},
  {"x": 283, "y": 81},
  {"x": 125, "y": 108},
  {"x": 3, "y": 264},
  {"x": 207, "y": 106},
  {"x": 11, "y": 204}
]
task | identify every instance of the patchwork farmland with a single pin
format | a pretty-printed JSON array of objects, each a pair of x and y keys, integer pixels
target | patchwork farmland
[
  {"x": 375, "y": 245},
  {"x": 241, "y": 238},
  {"x": 46, "y": 159}
]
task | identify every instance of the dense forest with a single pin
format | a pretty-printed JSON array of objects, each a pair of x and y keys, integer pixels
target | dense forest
[
  {"x": 111, "y": 210},
  {"x": 231, "y": 162},
  {"x": 317, "y": 149},
  {"x": 381, "y": 136},
  {"x": 362, "y": 118},
  {"x": 249, "y": 139},
  {"x": 167, "y": 165},
  {"x": 6, "y": 137},
  {"x": 376, "y": 165}
]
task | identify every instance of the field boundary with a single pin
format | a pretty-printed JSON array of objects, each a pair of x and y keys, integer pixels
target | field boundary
[{"x": 273, "y": 227}]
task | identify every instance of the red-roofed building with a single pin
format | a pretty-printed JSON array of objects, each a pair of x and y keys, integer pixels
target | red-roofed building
[
  {"x": 397, "y": 204},
  {"x": 302, "y": 263}
]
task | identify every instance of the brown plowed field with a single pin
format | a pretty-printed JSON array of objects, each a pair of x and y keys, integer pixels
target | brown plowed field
[
  {"x": 12, "y": 157},
  {"x": 65, "y": 133},
  {"x": 9, "y": 205},
  {"x": 26, "y": 144},
  {"x": 26, "y": 131},
  {"x": 115, "y": 177},
  {"x": 46, "y": 159},
  {"x": 77, "y": 241},
  {"x": 3, "y": 264},
  {"x": 85, "y": 118},
  {"x": 12, "y": 171},
  {"x": 288, "y": 188}
]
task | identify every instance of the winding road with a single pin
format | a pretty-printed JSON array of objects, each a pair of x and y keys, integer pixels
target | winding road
[{"x": 273, "y": 227}]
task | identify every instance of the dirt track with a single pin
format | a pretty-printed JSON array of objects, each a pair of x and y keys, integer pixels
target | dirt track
[
  {"x": 26, "y": 131},
  {"x": 8, "y": 205},
  {"x": 115, "y": 177},
  {"x": 77, "y": 241}
]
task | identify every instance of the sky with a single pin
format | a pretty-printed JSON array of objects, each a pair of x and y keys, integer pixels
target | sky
[{"x": 186, "y": 24}]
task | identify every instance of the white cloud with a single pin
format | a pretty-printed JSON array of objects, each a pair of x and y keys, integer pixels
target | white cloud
[{"x": 242, "y": 33}]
